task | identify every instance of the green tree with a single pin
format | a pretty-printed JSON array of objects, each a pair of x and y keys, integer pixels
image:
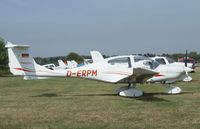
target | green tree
[
  {"x": 75, "y": 56},
  {"x": 3, "y": 56}
]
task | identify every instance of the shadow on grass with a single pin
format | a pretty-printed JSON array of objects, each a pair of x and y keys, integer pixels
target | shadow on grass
[
  {"x": 152, "y": 96},
  {"x": 92, "y": 94},
  {"x": 145, "y": 97},
  {"x": 148, "y": 97},
  {"x": 194, "y": 80},
  {"x": 46, "y": 95},
  {"x": 55, "y": 95},
  {"x": 8, "y": 76}
]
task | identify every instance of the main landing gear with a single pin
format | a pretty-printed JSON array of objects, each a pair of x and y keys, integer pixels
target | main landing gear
[
  {"x": 132, "y": 91},
  {"x": 129, "y": 91}
]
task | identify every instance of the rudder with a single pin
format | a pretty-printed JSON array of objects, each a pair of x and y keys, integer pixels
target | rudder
[{"x": 20, "y": 61}]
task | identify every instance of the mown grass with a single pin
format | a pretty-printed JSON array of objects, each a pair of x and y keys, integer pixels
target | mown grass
[{"x": 81, "y": 104}]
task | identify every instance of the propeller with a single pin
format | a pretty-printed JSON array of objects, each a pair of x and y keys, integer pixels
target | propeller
[
  {"x": 187, "y": 78},
  {"x": 186, "y": 57}
]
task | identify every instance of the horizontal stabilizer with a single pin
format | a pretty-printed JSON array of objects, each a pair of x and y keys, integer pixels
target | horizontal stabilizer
[{"x": 10, "y": 45}]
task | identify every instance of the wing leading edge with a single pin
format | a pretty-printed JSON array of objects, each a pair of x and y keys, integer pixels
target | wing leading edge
[{"x": 140, "y": 75}]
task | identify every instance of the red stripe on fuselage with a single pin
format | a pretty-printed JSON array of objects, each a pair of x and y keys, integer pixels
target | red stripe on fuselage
[
  {"x": 25, "y": 70},
  {"x": 158, "y": 75},
  {"x": 119, "y": 73}
]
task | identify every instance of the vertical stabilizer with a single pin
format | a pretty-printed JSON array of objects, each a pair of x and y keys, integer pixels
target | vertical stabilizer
[
  {"x": 74, "y": 63},
  {"x": 96, "y": 56},
  {"x": 61, "y": 64},
  {"x": 20, "y": 60},
  {"x": 21, "y": 63}
]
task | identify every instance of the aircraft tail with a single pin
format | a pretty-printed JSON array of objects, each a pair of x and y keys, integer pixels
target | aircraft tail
[
  {"x": 71, "y": 64},
  {"x": 21, "y": 63},
  {"x": 61, "y": 64},
  {"x": 96, "y": 56},
  {"x": 74, "y": 63}
]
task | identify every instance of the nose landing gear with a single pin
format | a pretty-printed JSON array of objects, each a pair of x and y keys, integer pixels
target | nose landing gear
[{"x": 173, "y": 90}]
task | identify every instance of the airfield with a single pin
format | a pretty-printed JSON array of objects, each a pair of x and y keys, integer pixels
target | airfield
[{"x": 60, "y": 103}]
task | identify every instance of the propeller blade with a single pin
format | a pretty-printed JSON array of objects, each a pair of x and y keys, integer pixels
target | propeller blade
[{"x": 186, "y": 57}]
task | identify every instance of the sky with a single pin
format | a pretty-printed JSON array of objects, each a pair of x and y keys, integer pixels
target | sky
[{"x": 113, "y": 27}]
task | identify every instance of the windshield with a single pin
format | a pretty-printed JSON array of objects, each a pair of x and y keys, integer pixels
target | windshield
[
  {"x": 122, "y": 61},
  {"x": 170, "y": 60},
  {"x": 151, "y": 63},
  {"x": 160, "y": 61},
  {"x": 139, "y": 58}
]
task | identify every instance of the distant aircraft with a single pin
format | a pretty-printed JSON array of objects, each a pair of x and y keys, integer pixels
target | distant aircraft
[
  {"x": 62, "y": 66},
  {"x": 70, "y": 64},
  {"x": 50, "y": 66},
  {"x": 120, "y": 69}
]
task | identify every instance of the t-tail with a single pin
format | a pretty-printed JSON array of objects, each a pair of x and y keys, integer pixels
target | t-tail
[{"x": 21, "y": 63}]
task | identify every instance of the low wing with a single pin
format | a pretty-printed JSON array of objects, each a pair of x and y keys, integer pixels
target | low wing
[{"x": 140, "y": 75}]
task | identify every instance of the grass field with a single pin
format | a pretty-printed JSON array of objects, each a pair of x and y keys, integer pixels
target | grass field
[{"x": 82, "y": 104}]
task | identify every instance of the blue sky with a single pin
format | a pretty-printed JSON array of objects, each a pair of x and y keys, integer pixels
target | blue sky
[{"x": 57, "y": 27}]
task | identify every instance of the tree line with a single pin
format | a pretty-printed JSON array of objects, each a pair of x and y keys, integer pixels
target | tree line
[
  {"x": 54, "y": 60},
  {"x": 3, "y": 58},
  {"x": 74, "y": 56}
]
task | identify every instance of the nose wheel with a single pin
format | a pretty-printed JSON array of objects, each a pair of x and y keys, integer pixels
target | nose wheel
[
  {"x": 187, "y": 79},
  {"x": 173, "y": 90}
]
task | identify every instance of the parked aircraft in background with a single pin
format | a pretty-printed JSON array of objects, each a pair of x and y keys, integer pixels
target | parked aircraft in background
[
  {"x": 50, "y": 66},
  {"x": 69, "y": 65},
  {"x": 62, "y": 66},
  {"x": 188, "y": 60},
  {"x": 120, "y": 69}
]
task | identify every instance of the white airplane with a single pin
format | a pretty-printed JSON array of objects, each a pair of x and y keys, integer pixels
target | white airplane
[
  {"x": 119, "y": 69},
  {"x": 50, "y": 66},
  {"x": 62, "y": 64},
  {"x": 165, "y": 60},
  {"x": 70, "y": 64},
  {"x": 167, "y": 73},
  {"x": 168, "y": 61}
]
